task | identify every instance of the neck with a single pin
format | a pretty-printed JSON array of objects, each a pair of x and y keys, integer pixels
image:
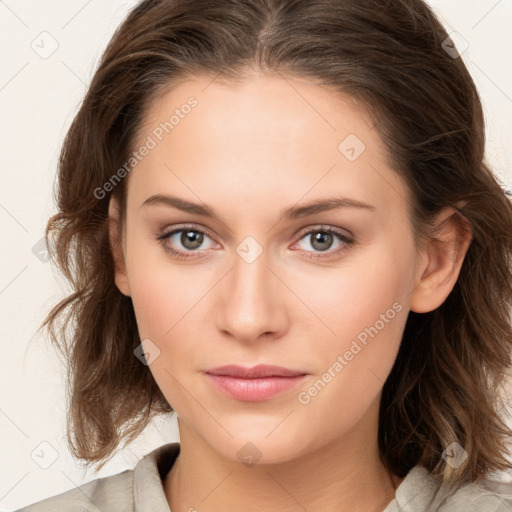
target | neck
[{"x": 345, "y": 475}]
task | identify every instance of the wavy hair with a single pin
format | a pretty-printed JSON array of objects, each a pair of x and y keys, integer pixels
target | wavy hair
[{"x": 447, "y": 383}]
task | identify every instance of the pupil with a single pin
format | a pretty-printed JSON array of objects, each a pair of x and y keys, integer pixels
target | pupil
[
  {"x": 187, "y": 239},
  {"x": 325, "y": 240}
]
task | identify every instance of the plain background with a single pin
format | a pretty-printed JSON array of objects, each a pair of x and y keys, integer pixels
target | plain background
[{"x": 39, "y": 95}]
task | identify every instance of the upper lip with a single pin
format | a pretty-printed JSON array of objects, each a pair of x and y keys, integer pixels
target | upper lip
[{"x": 260, "y": 370}]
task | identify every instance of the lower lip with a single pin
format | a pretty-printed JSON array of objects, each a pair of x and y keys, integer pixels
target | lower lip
[{"x": 253, "y": 390}]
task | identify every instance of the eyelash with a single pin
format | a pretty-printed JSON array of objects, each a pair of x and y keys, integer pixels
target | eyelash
[{"x": 322, "y": 229}]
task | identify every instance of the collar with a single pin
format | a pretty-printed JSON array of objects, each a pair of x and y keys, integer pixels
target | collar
[{"x": 148, "y": 476}]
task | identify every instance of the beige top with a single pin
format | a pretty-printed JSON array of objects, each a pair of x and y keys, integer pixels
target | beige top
[{"x": 141, "y": 490}]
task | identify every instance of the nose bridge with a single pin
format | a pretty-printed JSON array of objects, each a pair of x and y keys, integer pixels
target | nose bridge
[
  {"x": 250, "y": 302},
  {"x": 250, "y": 276}
]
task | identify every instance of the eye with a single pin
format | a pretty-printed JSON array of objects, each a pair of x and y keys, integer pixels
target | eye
[
  {"x": 191, "y": 239},
  {"x": 322, "y": 239},
  {"x": 188, "y": 237}
]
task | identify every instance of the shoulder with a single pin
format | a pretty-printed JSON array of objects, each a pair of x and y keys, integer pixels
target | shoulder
[
  {"x": 481, "y": 496},
  {"x": 133, "y": 490},
  {"x": 113, "y": 493},
  {"x": 420, "y": 492}
]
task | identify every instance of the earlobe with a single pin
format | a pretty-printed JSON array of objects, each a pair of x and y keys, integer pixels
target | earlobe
[
  {"x": 441, "y": 261},
  {"x": 115, "y": 238}
]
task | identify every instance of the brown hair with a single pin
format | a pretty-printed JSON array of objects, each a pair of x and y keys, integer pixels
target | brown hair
[{"x": 446, "y": 382}]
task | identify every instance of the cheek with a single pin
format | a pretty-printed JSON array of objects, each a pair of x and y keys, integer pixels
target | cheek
[
  {"x": 164, "y": 297},
  {"x": 153, "y": 302},
  {"x": 162, "y": 291},
  {"x": 353, "y": 296},
  {"x": 352, "y": 371},
  {"x": 366, "y": 314}
]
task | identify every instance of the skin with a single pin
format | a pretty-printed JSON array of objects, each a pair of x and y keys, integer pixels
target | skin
[{"x": 249, "y": 151}]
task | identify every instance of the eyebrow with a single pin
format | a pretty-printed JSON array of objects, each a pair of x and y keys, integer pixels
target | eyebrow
[{"x": 294, "y": 212}]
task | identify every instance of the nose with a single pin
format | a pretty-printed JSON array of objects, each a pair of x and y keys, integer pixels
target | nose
[{"x": 251, "y": 305}]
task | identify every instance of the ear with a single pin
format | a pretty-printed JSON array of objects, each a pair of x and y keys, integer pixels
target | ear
[
  {"x": 116, "y": 246},
  {"x": 440, "y": 261}
]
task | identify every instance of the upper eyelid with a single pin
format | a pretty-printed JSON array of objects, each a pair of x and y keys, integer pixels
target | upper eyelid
[
  {"x": 325, "y": 227},
  {"x": 174, "y": 230}
]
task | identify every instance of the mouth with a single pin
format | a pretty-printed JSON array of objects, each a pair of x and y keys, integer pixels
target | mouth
[
  {"x": 255, "y": 372},
  {"x": 257, "y": 383}
]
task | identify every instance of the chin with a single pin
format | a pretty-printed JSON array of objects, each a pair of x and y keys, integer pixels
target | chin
[{"x": 263, "y": 445}]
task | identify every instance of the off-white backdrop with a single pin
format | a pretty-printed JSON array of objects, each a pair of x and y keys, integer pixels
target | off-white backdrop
[{"x": 49, "y": 51}]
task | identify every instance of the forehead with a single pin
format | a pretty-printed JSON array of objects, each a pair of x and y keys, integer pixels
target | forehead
[{"x": 270, "y": 133}]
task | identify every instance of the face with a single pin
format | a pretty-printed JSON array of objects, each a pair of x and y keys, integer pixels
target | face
[{"x": 324, "y": 292}]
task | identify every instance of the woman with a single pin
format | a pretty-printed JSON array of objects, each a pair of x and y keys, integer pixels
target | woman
[{"x": 278, "y": 223}]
